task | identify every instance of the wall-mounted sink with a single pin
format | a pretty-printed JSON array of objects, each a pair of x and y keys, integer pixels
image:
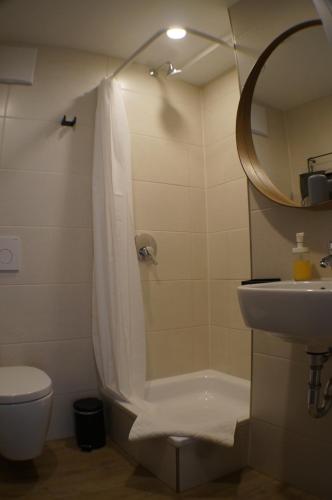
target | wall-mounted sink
[{"x": 296, "y": 311}]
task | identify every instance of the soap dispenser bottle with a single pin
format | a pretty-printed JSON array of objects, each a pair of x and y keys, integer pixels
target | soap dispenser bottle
[{"x": 301, "y": 265}]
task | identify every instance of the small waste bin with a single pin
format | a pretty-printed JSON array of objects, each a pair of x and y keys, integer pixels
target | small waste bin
[{"x": 89, "y": 424}]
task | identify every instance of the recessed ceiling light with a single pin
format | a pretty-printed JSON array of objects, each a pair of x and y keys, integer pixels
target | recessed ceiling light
[{"x": 176, "y": 33}]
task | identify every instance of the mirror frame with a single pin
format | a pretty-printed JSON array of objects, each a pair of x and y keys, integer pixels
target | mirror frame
[{"x": 244, "y": 141}]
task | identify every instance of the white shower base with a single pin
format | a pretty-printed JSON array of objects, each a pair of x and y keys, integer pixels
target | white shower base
[{"x": 183, "y": 462}]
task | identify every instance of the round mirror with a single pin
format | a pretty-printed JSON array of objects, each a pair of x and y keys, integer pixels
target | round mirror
[{"x": 284, "y": 120}]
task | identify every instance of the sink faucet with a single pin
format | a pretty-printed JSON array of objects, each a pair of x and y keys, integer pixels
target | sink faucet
[{"x": 327, "y": 260}]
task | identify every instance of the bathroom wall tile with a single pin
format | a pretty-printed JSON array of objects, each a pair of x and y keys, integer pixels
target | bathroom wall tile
[
  {"x": 45, "y": 146},
  {"x": 161, "y": 207},
  {"x": 240, "y": 353},
  {"x": 65, "y": 82},
  {"x": 222, "y": 162},
  {"x": 225, "y": 85},
  {"x": 265, "y": 343},
  {"x": 61, "y": 200},
  {"x": 168, "y": 304},
  {"x": 62, "y": 416},
  {"x": 219, "y": 200},
  {"x": 164, "y": 117},
  {"x": 137, "y": 79},
  {"x": 272, "y": 240},
  {"x": 220, "y": 352},
  {"x": 44, "y": 312},
  {"x": 225, "y": 309},
  {"x": 197, "y": 210},
  {"x": 51, "y": 255},
  {"x": 158, "y": 160},
  {"x": 174, "y": 251},
  {"x": 4, "y": 89},
  {"x": 222, "y": 117},
  {"x": 175, "y": 352},
  {"x": 292, "y": 458},
  {"x": 280, "y": 396},
  {"x": 70, "y": 364},
  {"x": 170, "y": 353},
  {"x": 219, "y": 255},
  {"x": 229, "y": 255},
  {"x": 175, "y": 304},
  {"x": 200, "y": 314},
  {"x": 201, "y": 360},
  {"x": 196, "y": 167},
  {"x": 198, "y": 256},
  {"x": 231, "y": 351}
]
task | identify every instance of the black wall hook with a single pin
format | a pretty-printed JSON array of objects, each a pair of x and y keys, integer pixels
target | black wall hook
[{"x": 68, "y": 123}]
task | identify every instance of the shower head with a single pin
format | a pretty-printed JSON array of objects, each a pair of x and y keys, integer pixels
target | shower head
[{"x": 172, "y": 70}]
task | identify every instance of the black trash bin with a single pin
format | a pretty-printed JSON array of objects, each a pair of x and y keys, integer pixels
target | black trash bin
[{"x": 89, "y": 423}]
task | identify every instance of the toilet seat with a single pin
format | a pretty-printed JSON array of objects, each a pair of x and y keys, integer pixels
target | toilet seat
[{"x": 21, "y": 384}]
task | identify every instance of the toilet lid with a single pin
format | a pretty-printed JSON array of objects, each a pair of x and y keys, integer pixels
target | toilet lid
[{"x": 20, "y": 384}]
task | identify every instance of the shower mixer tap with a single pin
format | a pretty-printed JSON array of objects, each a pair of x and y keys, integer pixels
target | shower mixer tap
[
  {"x": 146, "y": 248},
  {"x": 146, "y": 253}
]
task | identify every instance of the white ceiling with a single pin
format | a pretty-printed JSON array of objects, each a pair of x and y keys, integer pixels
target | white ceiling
[{"x": 118, "y": 27}]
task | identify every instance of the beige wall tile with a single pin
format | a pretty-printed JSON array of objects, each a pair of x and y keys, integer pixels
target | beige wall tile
[
  {"x": 200, "y": 315},
  {"x": 222, "y": 117},
  {"x": 196, "y": 167},
  {"x": 44, "y": 146},
  {"x": 169, "y": 353},
  {"x": 222, "y": 162},
  {"x": 225, "y": 309},
  {"x": 164, "y": 117},
  {"x": 280, "y": 396},
  {"x": 229, "y": 256},
  {"x": 60, "y": 199},
  {"x": 224, "y": 85},
  {"x": 295, "y": 459},
  {"x": 70, "y": 364},
  {"x": 4, "y": 89},
  {"x": 44, "y": 312},
  {"x": 220, "y": 352},
  {"x": 175, "y": 304},
  {"x": 240, "y": 353},
  {"x": 51, "y": 96},
  {"x": 51, "y": 255},
  {"x": 197, "y": 210},
  {"x": 62, "y": 422},
  {"x": 161, "y": 207},
  {"x": 168, "y": 304},
  {"x": 199, "y": 266},
  {"x": 201, "y": 360},
  {"x": 228, "y": 206},
  {"x": 158, "y": 160}
]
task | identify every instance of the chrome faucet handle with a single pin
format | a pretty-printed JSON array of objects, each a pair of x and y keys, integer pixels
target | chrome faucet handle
[{"x": 146, "y": 253}]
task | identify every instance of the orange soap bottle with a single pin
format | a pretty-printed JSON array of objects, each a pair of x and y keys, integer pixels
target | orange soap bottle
[{"x": 301, "y": 265}]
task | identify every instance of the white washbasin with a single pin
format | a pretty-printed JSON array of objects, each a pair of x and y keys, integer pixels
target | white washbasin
[{"x": 296, "y": 311}]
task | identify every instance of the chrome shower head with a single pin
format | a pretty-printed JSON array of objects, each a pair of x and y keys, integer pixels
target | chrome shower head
[{"x": 170, "y": 71}]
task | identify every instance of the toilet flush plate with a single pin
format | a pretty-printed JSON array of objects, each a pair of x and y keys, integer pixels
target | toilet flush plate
[{"x": 10, "y": 253}]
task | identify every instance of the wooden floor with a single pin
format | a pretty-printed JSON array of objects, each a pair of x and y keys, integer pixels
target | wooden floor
[{"x": 64, "y": 472}]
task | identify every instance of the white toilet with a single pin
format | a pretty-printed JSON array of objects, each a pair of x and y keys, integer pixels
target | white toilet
[{"x": 25, "y": 408}]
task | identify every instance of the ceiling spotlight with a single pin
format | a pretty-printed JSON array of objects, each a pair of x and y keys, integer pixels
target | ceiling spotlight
[{"x": 176, "y": 33}]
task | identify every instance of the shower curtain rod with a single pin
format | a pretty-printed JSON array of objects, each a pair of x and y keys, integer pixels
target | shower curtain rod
[{"x": 154, "y": 37}]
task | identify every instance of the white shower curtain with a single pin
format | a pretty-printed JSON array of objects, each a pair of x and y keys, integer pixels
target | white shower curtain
[{"x": 118, "y": 315}]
